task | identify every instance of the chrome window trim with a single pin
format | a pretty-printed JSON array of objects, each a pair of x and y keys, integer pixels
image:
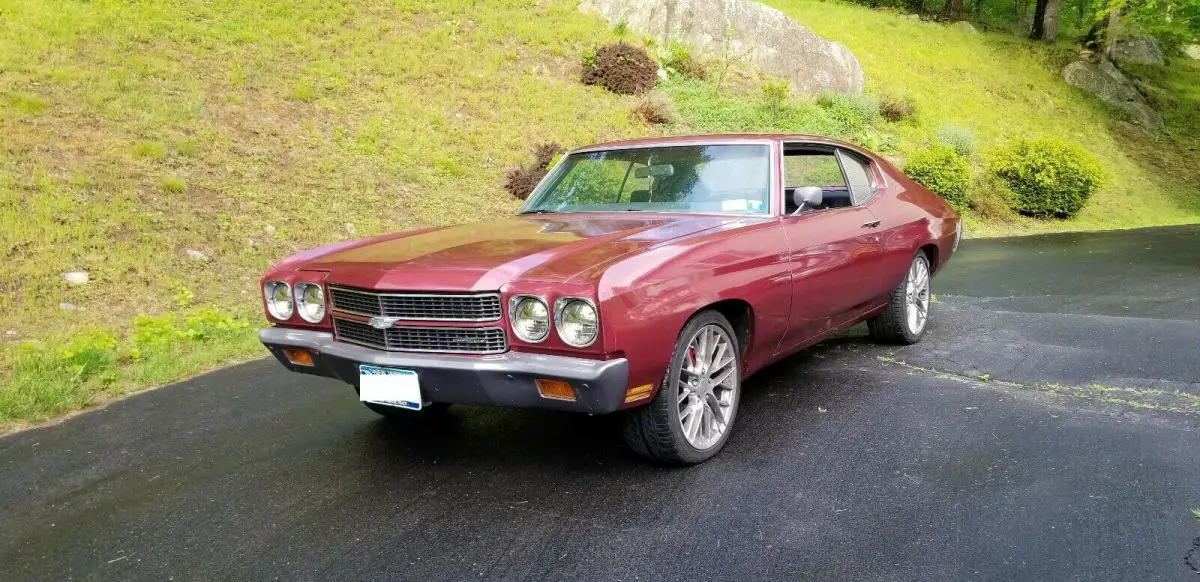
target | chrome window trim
[{"x": 771, "y": 143}]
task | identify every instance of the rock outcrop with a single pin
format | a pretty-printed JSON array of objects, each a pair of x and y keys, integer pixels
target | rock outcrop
[
  {"x": 1103, "y": 79},
  {"x": 743, "y": 29},
  {"x": 1138, "y": 49}
]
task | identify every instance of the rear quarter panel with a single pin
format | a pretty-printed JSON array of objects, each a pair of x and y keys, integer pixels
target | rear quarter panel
[{"x": 911, "y": 217}]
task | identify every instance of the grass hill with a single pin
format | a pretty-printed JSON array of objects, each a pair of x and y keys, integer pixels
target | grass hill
[{"x": 173, "y": 149}]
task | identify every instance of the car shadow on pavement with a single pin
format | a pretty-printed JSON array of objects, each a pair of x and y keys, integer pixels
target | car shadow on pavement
[{"x": 491, "y": 437}]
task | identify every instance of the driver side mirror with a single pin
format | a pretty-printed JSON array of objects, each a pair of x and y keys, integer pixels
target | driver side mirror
[{"x": 806, "y": 197}]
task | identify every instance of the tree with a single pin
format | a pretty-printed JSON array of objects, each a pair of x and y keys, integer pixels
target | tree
[
  {"x": 1045, "y": 20},
  {"x": 953, "y": 10}
]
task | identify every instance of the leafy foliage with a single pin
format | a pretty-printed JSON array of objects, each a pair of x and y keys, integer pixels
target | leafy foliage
[
  {"x": 943, "y": 171},
  {"x": 894, "y": 108},
  {"x": 621, "y": 68},
  {"x": 679, "y": 60},
  {"x": 958, "y": 138},
  {"x": 775, "y": 93},
  {"x": 856, "y": 111},
  {"x": 521, "y": 180},
  {"x": 1048, "y": 177}
]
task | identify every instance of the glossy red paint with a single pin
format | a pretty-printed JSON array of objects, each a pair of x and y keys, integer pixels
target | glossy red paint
[{"x": 800, "y": 278}]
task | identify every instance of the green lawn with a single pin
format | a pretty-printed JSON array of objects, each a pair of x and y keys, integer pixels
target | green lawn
[{"x": 136, "y": 131}]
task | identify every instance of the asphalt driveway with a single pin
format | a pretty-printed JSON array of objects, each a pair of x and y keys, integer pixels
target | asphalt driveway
[{"x": 1048, "y": 428}]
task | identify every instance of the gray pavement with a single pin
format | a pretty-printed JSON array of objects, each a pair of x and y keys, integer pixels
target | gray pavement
[{"x": 849, "y": 460}]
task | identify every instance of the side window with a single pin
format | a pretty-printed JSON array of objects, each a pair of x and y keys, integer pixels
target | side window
[
  {"x": 815, "y": 168},
  {"x": 858, "y": 176}
]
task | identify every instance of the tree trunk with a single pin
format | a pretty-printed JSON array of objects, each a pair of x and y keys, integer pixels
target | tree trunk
[
  {"x": 1114, "y": 20},
  {"x": 1050, "y": 21},
  {"x": 953, "y": 9},
  {"x": 1039, "y": 16}
]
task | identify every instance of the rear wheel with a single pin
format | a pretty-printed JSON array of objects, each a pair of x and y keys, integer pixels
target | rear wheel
[
  {"x": 690, "y": 418},
  {"x": 907, "y": 313}
]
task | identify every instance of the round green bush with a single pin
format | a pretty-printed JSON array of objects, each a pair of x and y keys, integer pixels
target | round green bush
[
  {"x": 1048, "y": 177},
  {"x": 943, "y": 171}
]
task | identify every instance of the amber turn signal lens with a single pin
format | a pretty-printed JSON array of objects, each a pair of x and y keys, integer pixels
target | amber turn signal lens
[
  {"x": 299, "y": 357},
  {"x": 638, "y": 393},
  {"x": 555, "y": 389}
]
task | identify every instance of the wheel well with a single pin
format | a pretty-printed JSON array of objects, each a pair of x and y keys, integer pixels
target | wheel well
[
  {"x": 740, "y": 316},
  {"x": 931, "y": 252}
]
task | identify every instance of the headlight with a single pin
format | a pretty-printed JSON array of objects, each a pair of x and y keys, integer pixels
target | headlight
[
  {"x": 279, "y": 299},
  {"x": 575, "y": 320},
  {"x": 310, "y": 302},
  {"x": 530, "y": 318},
  {"x": 958, "y": 232}
]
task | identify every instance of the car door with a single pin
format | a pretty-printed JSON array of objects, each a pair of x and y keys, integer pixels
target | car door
[{"x": 835, "y": 254}]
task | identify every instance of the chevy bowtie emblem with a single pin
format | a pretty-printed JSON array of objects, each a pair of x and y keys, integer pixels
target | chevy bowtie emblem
[{"x": 383, "y": 322}]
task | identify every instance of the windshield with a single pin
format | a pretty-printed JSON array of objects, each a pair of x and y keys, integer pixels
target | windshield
[{"x": 708, "y": 178}]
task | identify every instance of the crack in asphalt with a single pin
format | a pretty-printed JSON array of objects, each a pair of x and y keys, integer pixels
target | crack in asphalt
[{"x": 1176, "y": 401}]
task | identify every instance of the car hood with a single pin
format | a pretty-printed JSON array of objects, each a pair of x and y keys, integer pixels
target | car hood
[{"x": 488, "y": 255}]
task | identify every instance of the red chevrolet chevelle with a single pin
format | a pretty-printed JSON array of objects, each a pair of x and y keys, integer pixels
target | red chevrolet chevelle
[{"x": 647, "y": 277}]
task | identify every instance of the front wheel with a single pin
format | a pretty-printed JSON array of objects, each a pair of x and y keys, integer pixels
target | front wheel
[
  {"x": 903, "y": 320},
  {"x": 690, "y": 418}
]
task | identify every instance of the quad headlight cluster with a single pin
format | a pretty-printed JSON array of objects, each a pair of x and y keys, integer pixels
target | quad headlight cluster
[
  {"x": 575, "y": 320},
  {"x": 308, "y": 301}
]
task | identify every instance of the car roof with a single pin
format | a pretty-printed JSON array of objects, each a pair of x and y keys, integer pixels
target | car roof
[{"x": 719, "y": 138}]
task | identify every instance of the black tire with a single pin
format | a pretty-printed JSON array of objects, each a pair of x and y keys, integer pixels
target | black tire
[
  {"x": 654, "y": 431},
  {"x": 426, "y": 411},
  {"x": 892, "y": 324}
]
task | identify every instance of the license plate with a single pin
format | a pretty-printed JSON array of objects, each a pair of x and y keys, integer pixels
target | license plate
[{"x": 389, "y": 386}]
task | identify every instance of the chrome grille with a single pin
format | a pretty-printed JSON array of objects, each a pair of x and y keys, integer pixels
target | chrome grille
[
  {"x": 452, "y": 340},
  {"x": 418, "y": 306}
]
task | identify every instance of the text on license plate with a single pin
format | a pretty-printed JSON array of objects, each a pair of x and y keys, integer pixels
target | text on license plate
[{"x": 389, "y": 386}]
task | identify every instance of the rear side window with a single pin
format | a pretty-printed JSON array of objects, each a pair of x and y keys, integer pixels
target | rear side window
[{"x": 858, "y": 177}]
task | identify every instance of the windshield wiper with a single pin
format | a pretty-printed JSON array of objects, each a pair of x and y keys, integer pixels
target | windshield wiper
[{"x": 539, "y": 211}]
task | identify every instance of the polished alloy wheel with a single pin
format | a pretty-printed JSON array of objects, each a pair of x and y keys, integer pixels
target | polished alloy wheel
[
  {"x": 707, "y": 387},
  {"x": 916, "y": 295}
]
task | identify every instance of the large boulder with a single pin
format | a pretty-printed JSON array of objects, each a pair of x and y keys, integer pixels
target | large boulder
[
  {"x": 1103, "y": 79},
  {"x": 1192, "y": 51},
  {"x": 1138, "y": 49},
  {"x": 742, "y": 29}
]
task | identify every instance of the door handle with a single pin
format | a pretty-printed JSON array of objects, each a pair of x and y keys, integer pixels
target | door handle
[{"x": 871, "y": 224}]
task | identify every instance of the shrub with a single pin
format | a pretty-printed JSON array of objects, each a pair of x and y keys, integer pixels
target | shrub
[
  {"x": 656, "y": 109},
  {"x": 991, "y": 199},
  {"x": 680, "y": 61},
  {"x": 775, "y": 94},
  {"x": 960, "y": 139},
  {"x": 521, "y": 180},
  {"x": 620, "y": 68},
  {"x": 1048, "y": 177},
  {"x": 943, "y": 171},
  {"x": 855, "y": 111},
  {"x": 894, "y": 108}
]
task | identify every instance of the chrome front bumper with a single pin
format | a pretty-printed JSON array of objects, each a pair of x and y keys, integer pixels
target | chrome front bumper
[{"x": 498, "y": 380}]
